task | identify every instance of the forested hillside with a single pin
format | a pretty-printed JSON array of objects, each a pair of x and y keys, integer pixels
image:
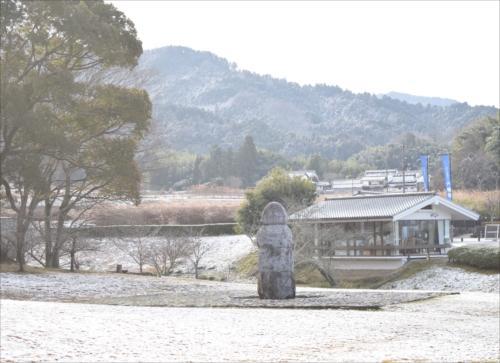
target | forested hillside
[{"x": 200, "y": 100}]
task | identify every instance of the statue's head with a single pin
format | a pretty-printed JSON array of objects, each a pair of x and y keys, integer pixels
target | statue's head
[{"x": 274, "y": 213}]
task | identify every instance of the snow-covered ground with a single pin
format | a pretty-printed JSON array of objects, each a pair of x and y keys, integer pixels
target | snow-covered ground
[
  {"x": 447, "y": 329},
  {"x": 224, "y": 251},
  {"x": 445, "y": 278},
  {"x": 140, "y": 290},
  {"x": 457, "y": 242}
]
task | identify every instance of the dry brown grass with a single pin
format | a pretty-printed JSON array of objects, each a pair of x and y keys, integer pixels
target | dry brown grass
[
  {"x": 486, "y": 203},
  {"x": 189, "y": 211}
]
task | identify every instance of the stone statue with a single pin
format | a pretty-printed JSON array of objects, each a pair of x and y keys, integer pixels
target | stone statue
[{"x": 274, "y": 239}]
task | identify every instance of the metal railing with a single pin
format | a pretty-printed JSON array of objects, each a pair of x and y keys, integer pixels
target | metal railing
[{"x": 385, "y": 250}]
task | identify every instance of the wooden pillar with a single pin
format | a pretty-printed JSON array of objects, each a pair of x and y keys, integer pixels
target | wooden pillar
[
  {"x": 381, "y": 231},
  {"x": 374, "y": 251}
]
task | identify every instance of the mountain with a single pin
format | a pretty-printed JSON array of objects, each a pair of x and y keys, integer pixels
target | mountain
[
  {"x": 200, "y": 99},
  {"x": 412, "y": 99}
]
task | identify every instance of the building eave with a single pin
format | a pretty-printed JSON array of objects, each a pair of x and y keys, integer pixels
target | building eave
[{"x": 437, "y": 200}]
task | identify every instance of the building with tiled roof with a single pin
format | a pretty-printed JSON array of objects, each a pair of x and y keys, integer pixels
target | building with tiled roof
[{"x": 383, "y": 224}]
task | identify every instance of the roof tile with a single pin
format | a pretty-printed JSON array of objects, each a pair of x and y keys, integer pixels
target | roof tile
[{"x": 356, "y": 207}]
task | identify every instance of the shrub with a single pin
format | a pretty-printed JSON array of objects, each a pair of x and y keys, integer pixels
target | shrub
[
  {"x": 293, "y": 193},
  {"x": 480, "y": 256}
]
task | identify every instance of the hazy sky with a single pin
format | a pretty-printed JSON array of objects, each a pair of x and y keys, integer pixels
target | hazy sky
[{"x": 443, "y": 49}]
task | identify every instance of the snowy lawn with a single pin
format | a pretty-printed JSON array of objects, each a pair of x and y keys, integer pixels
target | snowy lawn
[
  {"x": 447, "y": 278},
  {"x": 224, "y": 251},
  {"x": 446, "y": 329},
  {"x": 126, "y": 289}
]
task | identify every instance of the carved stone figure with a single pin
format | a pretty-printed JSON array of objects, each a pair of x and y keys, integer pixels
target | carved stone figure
[{"x": 275, "y": 277}]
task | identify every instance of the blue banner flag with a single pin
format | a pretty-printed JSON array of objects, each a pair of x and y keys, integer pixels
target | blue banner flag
[
  {"x": 424, "y": 160},
  {"x": 446, "y": 162}
]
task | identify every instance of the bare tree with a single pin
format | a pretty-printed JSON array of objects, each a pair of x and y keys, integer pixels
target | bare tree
[
  {"x": 314, "y": 246},
  {"x": 198, "y": 249},
  {"x": 307, "y": 251},
  {"x": 138, "y": 248},
  {"x": 75, "y": 244},
  {"x": 166, "y": 254},
  {"x": 492, "y": 204}
]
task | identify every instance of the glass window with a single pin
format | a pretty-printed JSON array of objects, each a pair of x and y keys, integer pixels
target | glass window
[{"x": 419, "y": 232}]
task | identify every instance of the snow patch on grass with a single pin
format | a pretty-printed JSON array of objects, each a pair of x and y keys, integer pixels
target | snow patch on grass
[{"x": 447, "y": 279}]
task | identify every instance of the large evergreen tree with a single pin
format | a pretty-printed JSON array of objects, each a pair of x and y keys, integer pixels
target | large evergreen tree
[
  {"x": 247, "y": 162},
  {"x": 62, "y": 135},
  {"x": 197, "y": 175},
  {"x": 476, "y": 155}
]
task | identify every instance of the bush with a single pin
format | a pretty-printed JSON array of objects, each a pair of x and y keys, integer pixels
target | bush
[
  {"x": 277, "y": 186},
  {"x": 480, "y": 256}
]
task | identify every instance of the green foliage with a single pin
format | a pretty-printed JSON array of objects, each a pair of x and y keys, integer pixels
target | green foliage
[
  {"x": 405, "y": 151},
  {"x": 293, "y": 193},
  {"x": 317, "y": 163},
  {"x": 480, "y": 256},
  {"x": 165, "y": 168},
  {"x": 247, "y": 162},
  {"x": 197, "y": 176},
  {"x": 50, "y": 112},
  {"x": 476, "y": 155},
  {"x": 65, "y": 134}
]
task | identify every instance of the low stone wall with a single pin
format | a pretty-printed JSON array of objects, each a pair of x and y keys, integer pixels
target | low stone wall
[{"x": 216, "y": 229}]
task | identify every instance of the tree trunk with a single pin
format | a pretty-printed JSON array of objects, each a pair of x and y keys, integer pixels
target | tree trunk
[
  {"x": 20, "y": 253},
  {"x": 54, "y": 261},
  {"x": 21, "y": 230},
  {"x": 59, "y": 241},
  {"x": 48, "y": 232},
  {"x": 72, "y": 254}
]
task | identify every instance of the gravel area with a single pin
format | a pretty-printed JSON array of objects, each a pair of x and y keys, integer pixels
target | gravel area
[
  {"x": 446, "y": 329},
  {"x": 124, "y": 289}
]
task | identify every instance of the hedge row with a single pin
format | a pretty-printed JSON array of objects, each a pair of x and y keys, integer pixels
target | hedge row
[{"x": 480, "y": 256}]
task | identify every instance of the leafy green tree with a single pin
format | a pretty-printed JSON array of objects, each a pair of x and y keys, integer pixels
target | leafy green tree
[
  {"x": 197, "y": 175},
  {"x": 318, "y": 164},
  {"x": 57, "y": 128},
  {"x": 228, "y": 168},
  {"x": 293, "y": 193},
  {"x": 247, "y": 161},
  {"x": 476, "y": 157}
]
